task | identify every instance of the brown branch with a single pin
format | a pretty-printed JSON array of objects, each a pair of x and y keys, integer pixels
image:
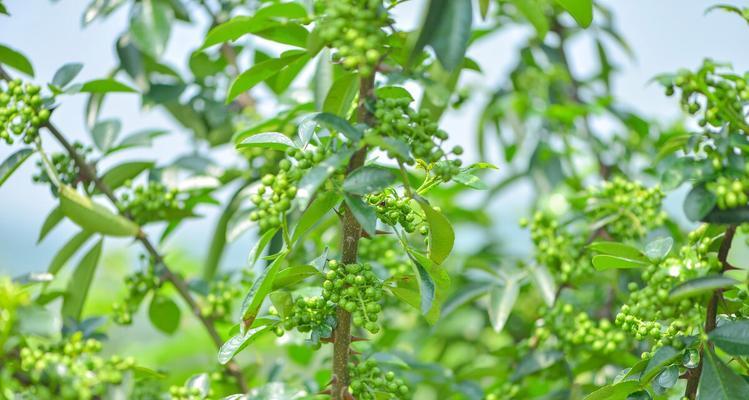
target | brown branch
[
  {"x": 88, "y": 172},
  {"x": 352, "y": 232},
  {"x": 693, "y": 375}
]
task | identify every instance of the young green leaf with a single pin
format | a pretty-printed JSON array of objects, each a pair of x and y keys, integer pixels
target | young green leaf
[
  {"x": 316, "y": 212},
  {"x": 718, "y": 381},
  {"x": 67, "y": 250},
  {"x": 105, "y": 133},
  {"x": 616, "y": 391},
  {"x": 447, "y": 29},
  {"x": 283, "y": 302},
  {"x": 532, "y": 12},
  {"x": 53, "y": 218},
  {"x": 603, "y": 262},
  {"x": 368, "y": 179},
  {"x": 12, "y": 163},
  {"x": 662, "y": 358},
  {"x": 150, "y": 26},
  {"x": 700, "y": 286},
  {"x": 659, "y": 248},
  {"x": 260, "y": 72},
  {"x": 619, "y": 250},
  {"x": 338, "y": 124},
  {"x": 15, "y": 60},
  {"x": 92, "y": 216},
  {"x": 164, "y": 314},
  {"x": 238, "y": 342},
  {"x": 440, "y": 280},
  {"x": 259, "y": 291},
  {"x": 501, "y": 301},
  {"x": 581, "y": 10},
  {"x": 732, "y": 337},
  {"x": 121, "y": 173},
  {"x": 427, "y": 287},
  {"x": 80, "y": 283},
  {"x": 235, "y": 28},
  {"x": 340, "y": 96},
  {"x": 292, "y": 275},
  {"x": 108, "y": 85},
  {"x": 393, "y": 92},
  {"x": 441, "y": 235},
  {"x": 317, "y": 175},
  {"x": 268, "y": 140},
  {"x": 258, "y": 248},
  {"x": 66, "y": 74}
]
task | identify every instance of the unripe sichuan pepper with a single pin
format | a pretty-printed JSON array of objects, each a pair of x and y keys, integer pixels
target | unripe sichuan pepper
[{"x": 21, "y": 111}]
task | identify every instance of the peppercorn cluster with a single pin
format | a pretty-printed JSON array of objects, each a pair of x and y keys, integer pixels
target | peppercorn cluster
[
  {"x": 65, "y": 166},
  {"x": 397, "y": 120},
  {"x": 577, "y": 332},
  {"x": 138, "y": 285},
  {"x": 557, "y": 248},
  {"x": 187, "y": 393},
  {"x": 73, "y": 367},
  {"x": 21, "y": 111},
  {"x": 730, "y": 193},
  {"x": 506, "y": 391},
  {"x": 394, "y": 210},
  {"x": 151, "y": 202},
  {"x": 629, "y": 208},
  {"x": 276, "y": 193},
  {"x": 356, "y": 289},
  {"x": 311, "y": 314},
  {"x": 713, "y": 94},
  {"x": 381, "y": 250},
  {"x": 217, "y": 304},
  {"x": 650, "y": 312},
  {"x": 353, "y": 28},
  {"x": 369, "y": 382}
]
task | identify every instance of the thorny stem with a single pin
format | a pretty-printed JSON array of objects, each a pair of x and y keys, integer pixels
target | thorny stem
[
  {"x": 88, "y": 173},
  {"x": 693, "y": 375},
  {"x": 352, "y": 232}
]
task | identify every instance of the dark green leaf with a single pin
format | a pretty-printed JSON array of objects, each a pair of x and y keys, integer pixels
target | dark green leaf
[
  {"x": 338, "y": 124},
  {"x": 315, "y": 213},
  {"x": 718, "y": 381},
  {"x": 260, "y": 289},
  {"x": 15, "y": 60},
  {"x": 66, "y": 74},
  {"x": 662, "y": 358},
  {"x": 80, "y": 283},
  {"x": 700, "y": 286},
  {"x": 12, "y": 163},
  {"x": 698, "y": 203},
  {"x": 732, "y": 337},
  {"x": 427, "y": 287},
  {"x": 447, "y": 29},
  {"x": 363, "y": 213},
  {"x": 368, "y": 179},
  {"x": 164, "y": 314},
  {"x": 340, "y": 97},
  {"x": 150, "y": 26},
  {"x": 238, "y": 342}
]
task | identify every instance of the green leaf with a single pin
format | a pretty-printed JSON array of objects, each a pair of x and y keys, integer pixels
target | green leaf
[
  {"x": 53, "y": 218},
  {"x": 316, "y": 212},
  {"x": 15, "y": 60},
  {"x": 441, "y": 235},
  {"x": 484, "y": 8},
  {"x": 121, "y": 173},
  {"x": 393, "y": 92},
  {"x": 536, "y": 361},
  {"x": 581, "y": 10},
  {"x": 732, "y": 337},
  {"x": 317, "y": 175},
  {"x": 105, "y": 133},
  {"x": 364, "y": 214},
  {"x": 662, "y": 358},
  {"x": 427, "y": 287},
  {"x": 619, "y": 250},
  {"x": 501, "y": 301},
  {"x": 533, "y": 11},
  {"x": 260, "y": 72},
  {"x": 698, "y": 203},
  {"x": 338, "y": 124},
  {"x": 544, "y": 282},
  {"x": 80, "y": 283},
  {"x": 659, "y": 248},
  {"x": 67, "y": 250},
  {"x": 368, "y": 179},
  {"x": 150, "y": 26},
  {"x": 470, "y": 180},
  {"x": 441, "y": 281},
  {"x": 107, "y": 85},
  {"x": 66, "y": 74},
  {"x": 138, "y": 139},
  {"x": 235, "y": 28},
  {"x": 12, "y": 163},
  {"x": 238, "y": 342},
  {"x": 616, "y": 391},
  {"x": 292, "y": 275},
  {"x": 603, "y": 262},
  {"x": 259, "y": 290},
  {"x": 341, "y": 94},
  {"x": 447, "y": 29},
  {"x": 258, "y": 248},
  {"x": 289, "y": 33},
  {"x": 268, "y": 140},
  {"x": 92, "y": 216},
  {"x": 700, "y": 286},
  {"x": 290, "y": 10},
  {"x": 164, "y": 314},
  {"x": 283, "y": 302},
  {"x": 718, "y": 381}
]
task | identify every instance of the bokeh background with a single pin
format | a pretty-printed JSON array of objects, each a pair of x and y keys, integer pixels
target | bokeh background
[{"x": 664, "y": 35}]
